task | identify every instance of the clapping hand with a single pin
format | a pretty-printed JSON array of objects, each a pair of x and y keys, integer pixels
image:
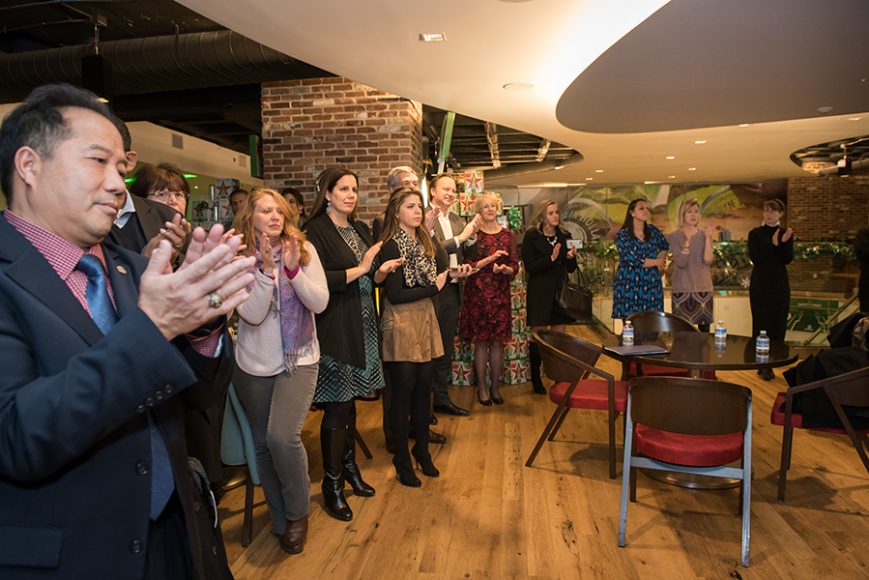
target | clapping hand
[
  {"x": 787, "y": 235},
  {"x": 461, "y": 271},
  {"x": 370, "y": 254},
  {"x": 431, "y": 218},
  {"x": 470, "y": 229},
  {"x": 441, "y": 280},
  {"x": 265, "y": 250},
  {"x": 175, "y": 232},
  {"x": 210, "y": 283},
  {"x": 556, "y": 249},
  {"x": 390, "y": 266},
  {"x": 291, "y": 253}
]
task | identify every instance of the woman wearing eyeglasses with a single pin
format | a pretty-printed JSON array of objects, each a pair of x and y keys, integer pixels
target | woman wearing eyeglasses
[{"x": 163, "y": 183}]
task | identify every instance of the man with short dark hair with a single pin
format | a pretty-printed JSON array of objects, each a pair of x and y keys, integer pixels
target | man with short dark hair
[
  {"x": 98, "y": 346},
  {"x": 236, "y": 198}
]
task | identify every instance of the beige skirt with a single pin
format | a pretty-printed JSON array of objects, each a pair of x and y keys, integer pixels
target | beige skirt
[{"x": 410, "y": 332}]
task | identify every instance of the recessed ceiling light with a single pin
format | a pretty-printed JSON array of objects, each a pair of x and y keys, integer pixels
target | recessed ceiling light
[
  {"x": 854, "y": 118},
  {"x": 671, "y": 177},
  {"x": 598, "y": 170},
  {"x": 647, "y": 182},
  {"x": 692, "y": 169},
  {"x": 700, "y": 141},
  {"x": 518, "y": 86},
  {"x": 744, "y": 125},
  {"x": 432, "y": 37},
  {"x": 589, "y": 178},
  {"x": 670, "y": 157},
  {"x": 825, "y": 109}
]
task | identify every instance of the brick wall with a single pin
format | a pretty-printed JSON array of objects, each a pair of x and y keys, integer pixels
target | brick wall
[
  {"x": 312, "y": 124},
  {"x": 828, "y": 208}
]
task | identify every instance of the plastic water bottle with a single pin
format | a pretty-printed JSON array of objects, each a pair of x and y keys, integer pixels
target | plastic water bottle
[
  {"x": 720, "y": 332},
  {"x": 762, "y": 344},
  {"x": 628, "y": 334}
]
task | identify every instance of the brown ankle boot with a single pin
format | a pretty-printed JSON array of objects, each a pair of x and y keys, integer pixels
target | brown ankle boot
[{"x": 293, "y": 540}]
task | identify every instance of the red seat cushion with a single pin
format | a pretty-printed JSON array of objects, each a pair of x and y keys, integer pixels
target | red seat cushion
[
  {"x": 591, "y": 394},
  {"x": 662, "y": 371},
  {"x": 692, "y": 450},
  {"x": 777, "y": 417}
]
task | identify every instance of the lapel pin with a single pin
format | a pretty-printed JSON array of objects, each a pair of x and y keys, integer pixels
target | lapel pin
[{"x": 121, "y": 269}]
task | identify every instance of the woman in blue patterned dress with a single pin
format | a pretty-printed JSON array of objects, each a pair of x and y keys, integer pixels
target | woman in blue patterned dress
[{"x": 642, "y": 251}]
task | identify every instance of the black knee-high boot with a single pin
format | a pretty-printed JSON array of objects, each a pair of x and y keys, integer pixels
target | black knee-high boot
[
  {"x": 332, "y": 442},
  {"x": 351, "y": 470},
  {"x": 534, "y": 359}
]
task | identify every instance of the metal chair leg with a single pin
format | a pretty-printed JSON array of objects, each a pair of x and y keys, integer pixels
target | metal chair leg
[
  {"x": 247, "y": 526},
  {"x": 358, "y": 438}
]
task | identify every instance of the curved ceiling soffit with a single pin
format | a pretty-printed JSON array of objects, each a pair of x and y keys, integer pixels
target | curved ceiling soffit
[{"x": 724, "y": 62}]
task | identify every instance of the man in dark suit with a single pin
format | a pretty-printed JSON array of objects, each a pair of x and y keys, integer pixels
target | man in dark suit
[
  {"x": 142, "y": 223},
  {"x": 452, "y": 233},
  {"x": 98, "y": 347}
]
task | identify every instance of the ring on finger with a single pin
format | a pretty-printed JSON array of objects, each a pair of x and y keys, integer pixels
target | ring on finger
[{"x": 215, "y": 300}]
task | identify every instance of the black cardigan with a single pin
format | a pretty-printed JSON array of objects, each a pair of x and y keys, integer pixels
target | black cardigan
[
  {"x": 545, "y": 277},
  {"x": 339, "y": 327}
]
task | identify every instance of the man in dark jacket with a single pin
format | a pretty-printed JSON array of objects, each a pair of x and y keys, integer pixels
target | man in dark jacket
[{"x": 98, "y": 347}]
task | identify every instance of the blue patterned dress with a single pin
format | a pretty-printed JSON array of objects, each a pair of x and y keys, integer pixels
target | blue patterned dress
[{"x": 638, "y": 289}]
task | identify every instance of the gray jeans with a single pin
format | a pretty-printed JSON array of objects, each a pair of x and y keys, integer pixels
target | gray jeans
[{"x": 276, "y": 408}]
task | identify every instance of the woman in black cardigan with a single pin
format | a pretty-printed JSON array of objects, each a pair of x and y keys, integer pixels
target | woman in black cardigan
[
  {"x": 771, "y": 249},
  {"x": 547, "y": 261},
  {"x": 349, "y": 341}
]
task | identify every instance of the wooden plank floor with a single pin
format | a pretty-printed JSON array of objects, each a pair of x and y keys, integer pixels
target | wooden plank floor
[{"x": 488, "y": 516}]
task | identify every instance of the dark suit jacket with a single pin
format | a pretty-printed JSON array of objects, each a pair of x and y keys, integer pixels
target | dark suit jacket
[
  {"x": 150, "y": 217},
  {"x": 339, "y": 327},
  {"x": 74, "y": 437}
]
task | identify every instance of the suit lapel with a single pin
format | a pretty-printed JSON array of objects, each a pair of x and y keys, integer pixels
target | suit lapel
[
  {"x": 30, "y": 270},
  {"x": 122, "y": 280},
  {"x": 149, "y": 220}
]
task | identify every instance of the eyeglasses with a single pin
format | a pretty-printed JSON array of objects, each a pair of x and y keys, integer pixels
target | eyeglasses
[{"x": 165, "y": 195}]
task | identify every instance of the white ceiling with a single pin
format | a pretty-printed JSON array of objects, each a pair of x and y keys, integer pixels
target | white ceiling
[{"x": 650, "y": 65}]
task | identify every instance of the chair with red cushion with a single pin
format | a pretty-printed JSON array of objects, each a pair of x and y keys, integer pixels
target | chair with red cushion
[
  {"x": 695, "y": 426},
  {"x": 569, "y": 361},
  {"x": 652, "y": 321},
  {"x": 847, "y": 390}
]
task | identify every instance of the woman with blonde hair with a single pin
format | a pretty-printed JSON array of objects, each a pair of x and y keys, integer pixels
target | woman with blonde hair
[
  {"x": 547, "y": 260},
  {"x": 411, "y": 334},
  {"x": 486, "y": 315},
  {"x": 692, "y": 275},
  {"x": 278, "y": 354}
]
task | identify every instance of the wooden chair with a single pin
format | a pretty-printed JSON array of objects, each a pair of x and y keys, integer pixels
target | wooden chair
[
  {"x": 569, "y": 361},
  {"x": 692, "y": 426},
  {"x": 652, "y": 321},
  {"x": 237, "y": 448},
  {"x": 846, "y": 390}
]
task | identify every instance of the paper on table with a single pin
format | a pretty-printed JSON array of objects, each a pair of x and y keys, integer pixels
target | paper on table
[{"x": 637, "y": 349}]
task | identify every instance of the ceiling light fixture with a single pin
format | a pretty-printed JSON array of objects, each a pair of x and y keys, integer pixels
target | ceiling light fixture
[
  {"x": 825, "y": 109},
  {"x": 589, "y": 178},
  {"x": 518, "y": 86},
  {"x": 598, "y": 170},
  {"x": 744, "y": 125},
  {"x": 700, "y": 142},
  {"x": 855, "y": 118},
  {"x": 671, "y": 177},
  {"x": 692, "y": 169},
  {"x": 670, "y": 157},
  {"x": 432, "y": 37}
]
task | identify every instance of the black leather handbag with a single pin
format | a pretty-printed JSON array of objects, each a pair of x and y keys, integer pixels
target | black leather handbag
[{"x": 574, "y": 300}]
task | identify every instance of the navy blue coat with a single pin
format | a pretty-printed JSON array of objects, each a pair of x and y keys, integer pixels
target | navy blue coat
[{"x": 74, "y": 438}]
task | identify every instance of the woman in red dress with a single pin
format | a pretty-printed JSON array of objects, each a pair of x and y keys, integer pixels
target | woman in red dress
[{"x": 486, "y": 316}]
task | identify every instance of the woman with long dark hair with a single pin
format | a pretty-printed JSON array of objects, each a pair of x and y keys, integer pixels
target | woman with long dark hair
[
  {"x": 642, "y": 253},
  {"x": 278, "y": 354},
  {"x": 350, "y": 352},
  {"x": 411, "y": 334}
]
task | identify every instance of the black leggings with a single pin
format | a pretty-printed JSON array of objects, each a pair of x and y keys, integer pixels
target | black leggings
[{"x": 411, "y": 396}]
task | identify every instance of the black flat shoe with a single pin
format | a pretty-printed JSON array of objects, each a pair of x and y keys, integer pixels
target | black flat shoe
[
  {"x": 436, "y": 438},
  {"x": 450, "y": 409},
  {"x": 499, "y": 400},
  {"x": 486, "y": 403}
]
